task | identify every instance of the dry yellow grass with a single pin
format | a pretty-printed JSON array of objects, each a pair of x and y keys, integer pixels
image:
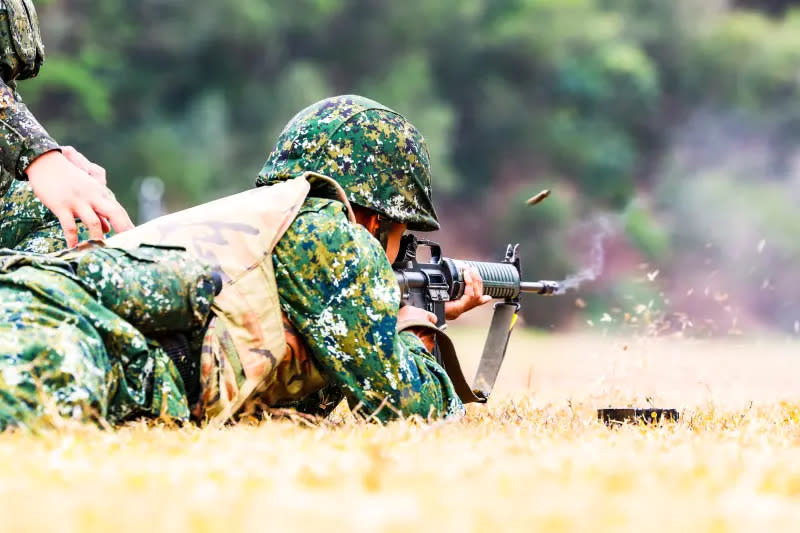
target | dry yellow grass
[{"x": 535, "y": 459}]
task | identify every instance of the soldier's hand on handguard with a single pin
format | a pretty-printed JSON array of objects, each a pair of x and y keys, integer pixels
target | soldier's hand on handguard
[
  {"x": 472, "y": 298},
  {"x": 72, "y": 187}
]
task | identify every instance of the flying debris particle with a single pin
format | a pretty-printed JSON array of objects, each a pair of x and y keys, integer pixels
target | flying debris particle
[
  {"x": 590, "y": 323},
  {"x": 689, "y": 292},
  {"x": 606, "y": 318},
  {"x": 580, "y": 303},
  {"x": 797, "y": 327},
  {"x": 761, "y": 244},
  {"x": 652, "y": 275},
  {"x": 720, "y": 296}
]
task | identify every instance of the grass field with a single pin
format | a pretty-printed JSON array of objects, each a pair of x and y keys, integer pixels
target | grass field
[{"x": 534, "y": 459}]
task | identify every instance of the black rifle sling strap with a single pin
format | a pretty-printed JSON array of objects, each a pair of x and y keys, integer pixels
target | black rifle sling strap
[{"x": 494, "y": 351}]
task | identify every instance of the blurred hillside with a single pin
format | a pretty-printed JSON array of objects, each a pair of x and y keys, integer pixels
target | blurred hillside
[{"x": 676, "y": 121}]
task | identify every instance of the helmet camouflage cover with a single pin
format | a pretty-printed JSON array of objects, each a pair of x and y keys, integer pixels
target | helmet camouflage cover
[{"x": 376, "y": 155}]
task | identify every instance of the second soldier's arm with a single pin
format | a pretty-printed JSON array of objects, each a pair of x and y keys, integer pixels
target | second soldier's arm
[{"x": 28, "y": 152}]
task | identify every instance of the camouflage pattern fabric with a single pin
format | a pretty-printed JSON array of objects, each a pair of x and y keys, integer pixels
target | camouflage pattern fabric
[
  {"x": 376, "y": 155},
  {"x": 338, "y": 290},
  {"x": 22, "y": 46},
  {"x": 65, "y": 351},
  {"x": 67, "y": 347},
  {"x": 70, "y": 347},
  {"x": 22, "y": 138},
  {"x": 27, "y": 225}
]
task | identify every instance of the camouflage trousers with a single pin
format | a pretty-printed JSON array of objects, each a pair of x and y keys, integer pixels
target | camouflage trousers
[
  {"x": 68, "y": 343},
  {"x": 27, "y": 225},
  {"x": 76, "y": 330}
]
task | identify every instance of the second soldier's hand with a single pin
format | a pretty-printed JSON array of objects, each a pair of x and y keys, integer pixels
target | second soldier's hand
[
  {"x": 71, "y": 193},
  {"x": 93, "y": 169}
]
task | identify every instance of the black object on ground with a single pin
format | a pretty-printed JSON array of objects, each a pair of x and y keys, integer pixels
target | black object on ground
[{"x": 649, "y": 415}]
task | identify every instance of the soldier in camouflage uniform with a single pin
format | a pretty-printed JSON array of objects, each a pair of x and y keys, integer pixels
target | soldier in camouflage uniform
[
  {"x": 381, "y": 161},
  {"x": 61, "y": 183},
  {"x": 82, "y": 333}
]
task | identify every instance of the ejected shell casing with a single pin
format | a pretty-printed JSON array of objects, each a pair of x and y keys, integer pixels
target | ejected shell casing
[{"x": 533, "y": 200}]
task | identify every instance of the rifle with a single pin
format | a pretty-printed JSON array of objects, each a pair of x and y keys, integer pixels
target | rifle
[{"x": 430, "y": 285}]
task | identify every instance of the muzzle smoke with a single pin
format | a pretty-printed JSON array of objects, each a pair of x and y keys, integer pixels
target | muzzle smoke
[{"x": 596, "y": 258}]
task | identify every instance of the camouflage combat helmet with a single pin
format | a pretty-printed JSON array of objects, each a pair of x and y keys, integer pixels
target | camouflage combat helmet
[{"x": 377, "y": 156}]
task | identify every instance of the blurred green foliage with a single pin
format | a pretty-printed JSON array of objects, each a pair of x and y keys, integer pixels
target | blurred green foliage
[{"x": 584, "y": 96}]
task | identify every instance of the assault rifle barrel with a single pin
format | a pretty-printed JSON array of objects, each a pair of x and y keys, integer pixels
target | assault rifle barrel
[{"x": 540, "y": 287}]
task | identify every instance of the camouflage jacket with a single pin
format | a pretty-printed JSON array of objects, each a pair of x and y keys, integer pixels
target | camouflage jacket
[
  {"x": 22, "y": 138},
  {"x": 67, "y": 343}
]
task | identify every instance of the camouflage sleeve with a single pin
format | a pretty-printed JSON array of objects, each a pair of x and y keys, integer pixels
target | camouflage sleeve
[
  {"x": 337, "y": 288},
  {"x": 22, "y": 138}
]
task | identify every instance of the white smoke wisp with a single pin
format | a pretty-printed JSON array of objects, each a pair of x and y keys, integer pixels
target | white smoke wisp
[{"x": 597, "y": 258}]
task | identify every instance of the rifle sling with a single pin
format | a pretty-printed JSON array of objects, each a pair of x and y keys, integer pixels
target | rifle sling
[{"x": 445, "y": 353}]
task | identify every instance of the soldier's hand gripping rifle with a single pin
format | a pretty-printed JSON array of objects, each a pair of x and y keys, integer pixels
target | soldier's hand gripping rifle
[{"x": 430, "y": 285}]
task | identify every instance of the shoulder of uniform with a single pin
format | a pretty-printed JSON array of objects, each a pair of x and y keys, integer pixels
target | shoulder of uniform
[
  {"x": 323, "y": 207},
  {"x": 323, "y": 223}
]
